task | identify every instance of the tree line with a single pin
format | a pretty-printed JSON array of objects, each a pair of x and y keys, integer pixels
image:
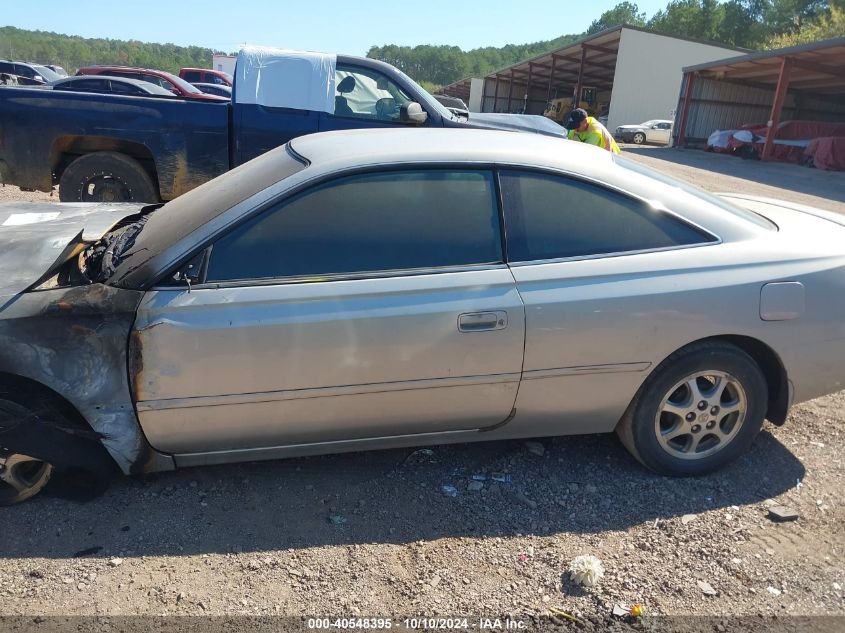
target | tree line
[
  {"x": 73, "y": 52},
  {"x": 752, "y": 24}
]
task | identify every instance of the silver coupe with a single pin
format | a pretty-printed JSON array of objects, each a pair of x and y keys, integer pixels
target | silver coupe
[{"x": 383, "y": 288}]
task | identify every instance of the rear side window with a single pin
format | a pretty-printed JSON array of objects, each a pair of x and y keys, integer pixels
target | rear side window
[
  {"x": 552, "y": 217},
  {"x": 158, "y": 81},
  {"x": 193, "y": 76},
  {"x": 120, "y": 88},
  {"x": 369, "y": 222}
]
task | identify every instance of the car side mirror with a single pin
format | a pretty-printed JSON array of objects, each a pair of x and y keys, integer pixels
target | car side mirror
[{"x": 413, "y": 113}]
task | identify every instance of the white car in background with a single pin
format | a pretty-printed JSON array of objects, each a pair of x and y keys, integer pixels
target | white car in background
[{"x": 653, "y": 131}]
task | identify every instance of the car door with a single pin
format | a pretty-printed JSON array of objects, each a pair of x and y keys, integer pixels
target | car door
[
  {"x": 604, "y": 286},
  {"x": 373, "y": 305},
  {"x": 660, "y": 133},
  {"x": 364, "y": 98}
]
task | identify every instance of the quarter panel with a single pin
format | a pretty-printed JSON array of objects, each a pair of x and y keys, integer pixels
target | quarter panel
[{"x": 619, "y": 311}]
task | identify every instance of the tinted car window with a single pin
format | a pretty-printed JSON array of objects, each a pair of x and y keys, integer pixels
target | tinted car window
[
  {"x": 192, "y": 76},
  {"x": 84, "y": 85},
  {"x": 371, "y": 222},
  {"x": 6, "y": 67},
  {"x": 120, "y": 88},
  {"x": 550, "y": 217},
  {"x": 214, "y": 79},
  {"x": 123, "y": 73},
  {"x": 24, "y": 71},
  {"x": 159, "y": 81}
]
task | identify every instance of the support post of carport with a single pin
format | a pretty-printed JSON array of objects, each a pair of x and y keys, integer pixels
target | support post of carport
[
  {"x": 682, "y": 124},
  {"x": 777, "y": 107},
  {"x": 576, "y": 101},
  {"x": 527, "y": 98},
  {"x": 551, "y": 77},
  {"x": 496, "y": 94},
  {"x": 510, "y": 91}
]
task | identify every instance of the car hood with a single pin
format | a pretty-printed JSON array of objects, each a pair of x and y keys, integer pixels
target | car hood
[
  {"x": 516, "y": 122},
  {"x": 37, "y": 238}
]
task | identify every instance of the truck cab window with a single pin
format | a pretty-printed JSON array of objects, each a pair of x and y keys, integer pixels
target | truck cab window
[{"x": 367, "y": 94}]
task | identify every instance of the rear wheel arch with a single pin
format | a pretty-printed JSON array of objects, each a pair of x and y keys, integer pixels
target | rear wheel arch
[{"x": 767, "y": 360}]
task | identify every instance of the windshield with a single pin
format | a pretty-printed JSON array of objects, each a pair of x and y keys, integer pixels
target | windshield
[
  {"x": 649, "y": 123},
  {"x": 745, "y": 214},
  {"x": 183, "y": 85},
  {"x": 180, "y": 217},
  {"x": 45, "y": 72}
]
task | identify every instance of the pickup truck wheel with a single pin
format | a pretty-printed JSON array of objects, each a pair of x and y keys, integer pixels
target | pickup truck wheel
[{"x": 106, "y": 177}]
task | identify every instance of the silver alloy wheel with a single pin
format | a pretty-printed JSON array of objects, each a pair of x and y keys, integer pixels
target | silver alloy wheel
[
  {"x": 701, "y": 414},
  {"x": 22, "y": 476}
]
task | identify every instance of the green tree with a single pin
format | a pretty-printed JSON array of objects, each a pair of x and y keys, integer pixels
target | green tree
[{"x": 622, "y": 13}]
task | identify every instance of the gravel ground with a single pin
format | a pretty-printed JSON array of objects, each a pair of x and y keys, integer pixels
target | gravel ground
[{"x": 373, "y": 534}]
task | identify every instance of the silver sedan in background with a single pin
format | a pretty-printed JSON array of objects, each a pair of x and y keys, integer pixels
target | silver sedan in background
[{"x": 383, "y": 288}]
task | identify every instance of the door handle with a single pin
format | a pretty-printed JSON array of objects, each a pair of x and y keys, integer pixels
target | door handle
[{"x": 482, "y": 321}]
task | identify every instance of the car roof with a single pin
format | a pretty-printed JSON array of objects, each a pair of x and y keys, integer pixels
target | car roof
[
  {"x": 135, "y": 68},
  {"x": 350, "y": 148}
]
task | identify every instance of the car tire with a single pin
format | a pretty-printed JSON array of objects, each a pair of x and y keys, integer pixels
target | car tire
[
  {"x": 106, "y": 177},
  {"x": 21, "y": 476},
  {"x": 638, "y": 138},
  {"x": 700, "y": 409}
]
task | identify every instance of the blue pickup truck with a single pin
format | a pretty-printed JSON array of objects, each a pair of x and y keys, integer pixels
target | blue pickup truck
[{"x": 105, "y": 147}]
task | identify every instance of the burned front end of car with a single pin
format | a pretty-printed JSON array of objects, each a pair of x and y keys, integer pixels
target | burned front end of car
[{"x": 63, "y": 340}]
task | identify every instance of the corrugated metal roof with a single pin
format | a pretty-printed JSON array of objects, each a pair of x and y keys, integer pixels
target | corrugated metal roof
[
  {"x": 819, "y": 67},
  {"x": 600, "y": 51}
]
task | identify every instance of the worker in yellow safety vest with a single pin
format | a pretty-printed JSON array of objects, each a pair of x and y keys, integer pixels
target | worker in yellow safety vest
[{"x": 586, "y": 129}]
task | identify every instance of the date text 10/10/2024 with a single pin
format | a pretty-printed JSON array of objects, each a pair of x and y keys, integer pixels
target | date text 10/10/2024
[{"x": 481, "y": 623}]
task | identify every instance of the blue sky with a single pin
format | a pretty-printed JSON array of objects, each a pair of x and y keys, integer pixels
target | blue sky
[{"x": 348, "y": 26}]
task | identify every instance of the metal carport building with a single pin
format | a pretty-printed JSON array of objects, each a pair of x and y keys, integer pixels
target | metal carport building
[
  {"x": 804, "y": 82},
  {"x": 636, "y": 70}
]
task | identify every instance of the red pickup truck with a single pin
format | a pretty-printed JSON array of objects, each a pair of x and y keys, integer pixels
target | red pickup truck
[{"x": 161, "y": 78}]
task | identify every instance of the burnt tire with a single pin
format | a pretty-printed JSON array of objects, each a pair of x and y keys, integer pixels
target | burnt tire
[
  {"x": 638, "y": 138},
  {"x": 106, "y": 177},
  {"x": 21, "y": 476},
  {"x": 698, "y": 411},
  {"x": 40, "y": 433}
]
